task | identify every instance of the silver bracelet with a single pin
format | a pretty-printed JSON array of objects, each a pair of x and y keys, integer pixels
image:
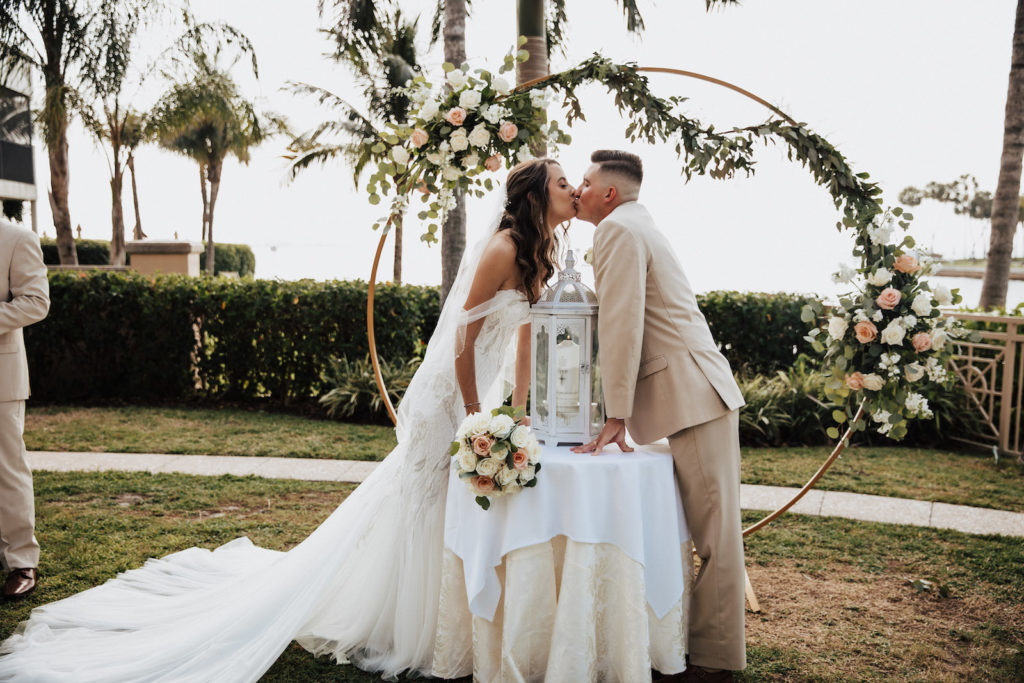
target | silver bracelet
[{"x": 474, "y": 403}]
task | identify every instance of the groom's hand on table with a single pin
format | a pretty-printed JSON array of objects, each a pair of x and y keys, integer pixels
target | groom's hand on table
[{"x": 614, "y": 431}]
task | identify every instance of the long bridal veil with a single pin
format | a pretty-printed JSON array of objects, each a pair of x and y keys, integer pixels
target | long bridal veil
[{"x": 362, "y": 587}]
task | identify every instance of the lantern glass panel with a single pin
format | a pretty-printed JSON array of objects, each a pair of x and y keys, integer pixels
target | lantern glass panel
[
  {"x": 568, "y": 349},
  {"x": 540, "y": 364},
  {"x": 596, "y": 395}
]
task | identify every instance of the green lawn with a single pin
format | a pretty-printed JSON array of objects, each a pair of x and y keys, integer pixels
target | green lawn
[
  {"x": 203, "y": 431},
  {"x": 837, "y": 596},
  {"x": 943, "y": 476}
]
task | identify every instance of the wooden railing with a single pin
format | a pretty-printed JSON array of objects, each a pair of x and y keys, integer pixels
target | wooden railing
[{"x": 991, "y": 371}]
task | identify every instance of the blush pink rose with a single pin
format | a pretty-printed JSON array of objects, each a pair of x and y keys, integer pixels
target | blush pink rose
[
  {"x": 520, "y": 460},
  {"x": 921, "y": 342},
  {"x": 493, "y": 162},
  {"x": 508, "y": 131},
  {"x": 906, "y": 263},
  {"x": 483, "y": 484},
  {"x": 419, "y": 137},
  {"x": 482, "y": 445},
  {"x": 888, "y": 298},
  {"x": 865, "y": 331},
  {"x": 855, "y": 380},
  {"x": 456, "y": 116}
]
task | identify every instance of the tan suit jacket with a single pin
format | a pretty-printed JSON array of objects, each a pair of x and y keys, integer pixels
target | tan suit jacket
[
  {"x": 660, "y": 367},
  {"x": 24, "y": 299}
]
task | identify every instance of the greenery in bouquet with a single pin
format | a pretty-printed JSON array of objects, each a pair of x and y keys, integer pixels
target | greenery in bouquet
[
  {"x": 887, "y": 339},
  {"x": 463, "y": 128},
  {"x": 496, "y": 454}
]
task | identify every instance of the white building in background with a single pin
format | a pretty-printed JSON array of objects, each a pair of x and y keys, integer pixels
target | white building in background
[{"x": 17, "y": 173}]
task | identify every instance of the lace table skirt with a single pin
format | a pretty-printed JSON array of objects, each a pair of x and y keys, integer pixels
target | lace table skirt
[{"x": 569, "y": 611}]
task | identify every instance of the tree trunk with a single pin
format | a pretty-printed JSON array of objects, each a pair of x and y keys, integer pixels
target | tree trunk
[
  {"x": 214, "y": 188},
  {"x": 1006, "y": 203},
  {"x": 453, "y": 232},
  {"x": 59, "y": 182},
  {"x": 397, "y": 274},
  {"x": 137, "y": 233},
  {"x": 116, "y": 219},
  {"x": 203, "y": 175},
  {"x": 530, "y": 15}
]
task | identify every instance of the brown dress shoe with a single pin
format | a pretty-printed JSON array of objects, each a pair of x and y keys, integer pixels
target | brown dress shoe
[
  {"x": 20, "y": 582},
  {"x": 696, "y": 673}
]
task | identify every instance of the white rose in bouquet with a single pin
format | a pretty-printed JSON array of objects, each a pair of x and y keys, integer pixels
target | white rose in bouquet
[
  {"x": 456, "y": 78},
  {"x": 466, "y": 459},
  {"x": 480, "y": 136},
  {"x": 489, "y": 466},
  {"x": 873, "y": 382},
  {"x": 512, "y": 488},
  {"x": 400, "y": 155},
  {"x": 470, "y": 161},
  {"x": 893, "y": 333},
  {"x": 429, "y": 110},
  {"x": 529, "y": 473},
  {"x": 520, "y": 436},
  {"x": 943, "y": 295},
  {"x": 939, "y": 339},
  {"x": 533, "y": 450},
  {"x": 501, "y": 426},
  {"x": 469, "y": 99},
  {"x": 880, "y": 277},
  {"x": 474, "y": 425},
  {"x": 507, "y": 476},
  {"x": 837, "y": 327},
  {"x": 500, "y": 85},
  {"x": 922, "y": 304},
  {"x": 450, "y": 173},
  {"x": 458, "y": 139}
]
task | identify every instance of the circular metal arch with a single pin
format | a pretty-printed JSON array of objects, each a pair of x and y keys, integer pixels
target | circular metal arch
[{"x": 840, "y": 447}]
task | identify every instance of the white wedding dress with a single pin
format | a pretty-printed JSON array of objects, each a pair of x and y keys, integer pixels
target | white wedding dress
[{"x": 363, "y": 587}]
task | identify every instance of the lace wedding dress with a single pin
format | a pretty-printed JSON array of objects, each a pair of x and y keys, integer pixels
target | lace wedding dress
[{"x": 363, "y": 587}]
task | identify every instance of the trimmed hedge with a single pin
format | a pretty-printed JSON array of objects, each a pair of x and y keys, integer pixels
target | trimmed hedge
[
  {"x": 230, "y": 258},
  {"x": 90, "y": 252},
  {"x": 124, "y": 336}
]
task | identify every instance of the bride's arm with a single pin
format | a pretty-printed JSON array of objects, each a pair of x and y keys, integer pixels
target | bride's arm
[
  {"x": 522, "y": 368},
  {"x": 497, "y": 266}
]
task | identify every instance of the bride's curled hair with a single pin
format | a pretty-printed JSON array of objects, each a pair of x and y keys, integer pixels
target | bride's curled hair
[{"x": 525, "y": 217}]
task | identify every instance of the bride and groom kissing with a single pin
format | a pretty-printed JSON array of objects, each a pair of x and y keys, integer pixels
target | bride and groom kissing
[{"x": 364, "y": 586}]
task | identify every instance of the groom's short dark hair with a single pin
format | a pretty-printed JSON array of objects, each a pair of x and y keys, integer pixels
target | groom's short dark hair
[{"x": 623, "y": 163}]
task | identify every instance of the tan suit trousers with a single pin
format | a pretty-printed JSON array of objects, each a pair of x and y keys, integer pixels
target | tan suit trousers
[
  {"x": 18, "y": 545},
  {"x": 707, "y": 461}
]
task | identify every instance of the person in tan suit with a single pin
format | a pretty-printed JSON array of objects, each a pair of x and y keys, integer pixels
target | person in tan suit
[
  {"x": 663, "y": 376},
  {"x": 24, "y": 299}
]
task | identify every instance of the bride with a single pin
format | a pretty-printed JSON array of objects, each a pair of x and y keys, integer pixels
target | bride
[{"x": 364, "y": 586}]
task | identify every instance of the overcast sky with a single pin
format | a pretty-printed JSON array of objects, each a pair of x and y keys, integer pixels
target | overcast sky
[{"x": 909, "y": 91}]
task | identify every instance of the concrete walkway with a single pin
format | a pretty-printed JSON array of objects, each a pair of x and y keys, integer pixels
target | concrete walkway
[{"x": 859, "y": 506}]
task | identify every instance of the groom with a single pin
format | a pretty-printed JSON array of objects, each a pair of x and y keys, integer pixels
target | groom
[{"x": 663, "y": 375}]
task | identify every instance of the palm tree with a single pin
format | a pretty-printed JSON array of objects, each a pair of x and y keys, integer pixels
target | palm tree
[
  {"x": 206, "y": 118},
  {"x": 50, "y": 36},
  {"x": 453, "y": 232},
  {"x": 383, "y": 58},
  {"x": 1006, "y": 202}
]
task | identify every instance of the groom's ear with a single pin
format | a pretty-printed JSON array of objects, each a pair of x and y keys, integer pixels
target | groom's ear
[{"x": 611, "y": 193}]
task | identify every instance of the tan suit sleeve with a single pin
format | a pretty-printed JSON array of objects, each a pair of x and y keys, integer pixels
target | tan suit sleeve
[
  {"x": 29, "y": 289},
  {"x": 620, "y": 275}
]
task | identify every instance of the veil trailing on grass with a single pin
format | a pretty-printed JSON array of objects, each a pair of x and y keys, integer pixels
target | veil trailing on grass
[{"x": 363, "y": 587}]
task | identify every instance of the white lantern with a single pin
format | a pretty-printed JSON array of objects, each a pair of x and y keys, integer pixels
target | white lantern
[{"x": 566, "y": 404}]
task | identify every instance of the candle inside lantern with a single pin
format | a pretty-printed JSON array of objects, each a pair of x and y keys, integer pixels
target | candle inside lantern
[{"x": 568, "y": 387}]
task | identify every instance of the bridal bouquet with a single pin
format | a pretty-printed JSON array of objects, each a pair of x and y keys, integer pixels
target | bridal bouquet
[{"x": 495, "y": 454}]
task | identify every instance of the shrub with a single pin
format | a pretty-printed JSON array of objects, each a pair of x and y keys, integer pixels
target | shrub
[
  {"x": 354, "y": 392},
  {"x": 90, "y": 252},
  {"x": 230, "y": 258}
]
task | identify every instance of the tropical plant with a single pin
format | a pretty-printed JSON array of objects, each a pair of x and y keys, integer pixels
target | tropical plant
[
  {"x": 50, "y": 37},
  {"x": 354, "y": 390},
  {"x": 382, "y": 60}
]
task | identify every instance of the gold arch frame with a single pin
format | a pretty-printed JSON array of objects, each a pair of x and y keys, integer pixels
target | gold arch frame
[{"x": 840, "y": 447}]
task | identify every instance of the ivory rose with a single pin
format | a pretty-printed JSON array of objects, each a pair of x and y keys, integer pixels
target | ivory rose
[
  {"x": 429, "y": 110},
  {"x": 483, "y": 484},
  {"x": 467, "y": 459},
  {"x": 456, "y": 78},
  {"x": 479, "y": 136},
  {"x": 508, "y": 131},
  {"x": 873, "y": 382},
  {"x": 419, "y": 137},
  {"x": 520, "y": 460},
  {"x": 837, "y": 327},
  {"x": 943, "y": 295},
  {"x": 501, "y": 426},
  {"x": 507, "y": 476},
  {"x": 889, "y": 298},
  {"x": 500, "y": 85},
  {"x": 493, "y": 162},
  {"x": 855, "y": 381},
  {"x": 939, "y": 339},
  {"x": 450, "y": 173},
  {"x": 906, "y": 263},
  {"x": 893, "y": 333},
  {"x": 458, "y": 139},
  {"x": 456, "y": 116},
  {"x": 921, "y": 342},
  {"x": 520, "y": 436},
  {"x": 482, "y": 444},
  {"x": 865, "y": 331},
  {"x": 469, "y": 99},
  {"x": 470, "y": 161},
  {"x": 922, "y": 304},
  {"x": 488, "y": 466},
  {"x": 400, "y": 155},
  {"x": 914, "y": 372},
  {"x": 879, "y": 278}
]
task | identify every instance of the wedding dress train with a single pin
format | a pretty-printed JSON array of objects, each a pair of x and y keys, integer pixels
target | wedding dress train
[{"x": 363, "y": 587}]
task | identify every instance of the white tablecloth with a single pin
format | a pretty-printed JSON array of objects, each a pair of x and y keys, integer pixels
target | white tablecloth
[{"x": 629, "y": 500}]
